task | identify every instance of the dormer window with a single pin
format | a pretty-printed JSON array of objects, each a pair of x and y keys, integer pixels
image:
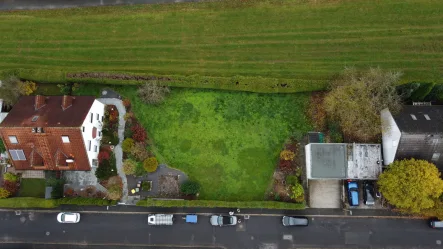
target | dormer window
[
  {"x": 13, "y": 139},
  {"x": 34, "y": 119},
  {"x": 65, "y": 139}
]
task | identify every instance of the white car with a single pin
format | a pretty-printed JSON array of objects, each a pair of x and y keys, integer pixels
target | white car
[
  {"x": 68, "y": 217},
  {"x": 223, "y": 220}
]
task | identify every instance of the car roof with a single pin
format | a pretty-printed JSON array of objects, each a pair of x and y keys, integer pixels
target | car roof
[{"x": 71, "y": 217}]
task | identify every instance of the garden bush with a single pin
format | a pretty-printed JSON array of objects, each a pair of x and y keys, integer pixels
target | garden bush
[
  {"x": 105, "y": 170},
  {"x": 127, "y": 145},
  {"x": 153, "y": 93},
  {"x": 222, "y": 204},
  {"x": 146, "y": 186},
  {"x": 287, "y": 155},
  {"x": 11, "y": 187},
  {"x": 11, "y": 177},
  {"x": 291, "y": 180},
  {"x": 139, "y": 152},
  {"x": 285, "y": 166},
  {"x": 115, "y": 192},
  {"x": 28, "y": 87},
  {"x": 139, "y": 170},
  {"x": 129, "y": 166},
  {"x": 103, "y": 155},
  {"x": 57, "y": 187},
  {"x": 423, "y": 91},
  {"x": 138, "y": 133},
  {"x": 84, "y": 201},
  {"x": 150, "y": 164},
  {"x": 190, "y": 188},
  {"x": 297, "y": 192},
  {"x": 4, "y": 193}
]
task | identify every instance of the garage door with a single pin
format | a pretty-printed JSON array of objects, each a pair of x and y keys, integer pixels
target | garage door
[{"x": 325, "y": 193}]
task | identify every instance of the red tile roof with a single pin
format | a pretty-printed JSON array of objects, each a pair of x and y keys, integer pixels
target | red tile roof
[
  {"x": 46, "y": 150},
  {"x": 50, "y": 114}
]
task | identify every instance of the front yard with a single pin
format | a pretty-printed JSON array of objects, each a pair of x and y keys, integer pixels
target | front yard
[
  {"x": 228, "y": 142},
  {"x": 30, "y": 187}
]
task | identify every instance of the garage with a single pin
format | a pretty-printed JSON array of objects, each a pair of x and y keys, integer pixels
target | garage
[{"x": 327, "y": 165}]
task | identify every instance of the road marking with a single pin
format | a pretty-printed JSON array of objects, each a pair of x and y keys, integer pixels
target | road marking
[
  {"x": 209, "y": 214},
  {"x": 83, "y": 243}
]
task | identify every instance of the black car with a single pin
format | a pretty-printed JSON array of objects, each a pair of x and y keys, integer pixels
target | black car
[{"x": 368, "y": 193}]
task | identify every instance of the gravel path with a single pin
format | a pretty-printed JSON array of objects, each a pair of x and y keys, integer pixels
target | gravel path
[{"x": 118, "y": 148}]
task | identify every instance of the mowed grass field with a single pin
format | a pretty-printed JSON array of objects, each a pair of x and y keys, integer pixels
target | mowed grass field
[
  {"x": 306, "y": 40},
  {"x": 227, "y": 141}
]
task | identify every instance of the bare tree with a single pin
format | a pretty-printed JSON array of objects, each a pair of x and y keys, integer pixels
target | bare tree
[
  {"x": 153, "y": 93},
  {"x": 356, "y": 99},
  {"x": 11, "y": 88}
]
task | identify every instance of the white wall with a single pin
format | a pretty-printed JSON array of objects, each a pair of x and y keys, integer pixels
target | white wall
[
  {"x": 391, "y": 136},
  {"x": 308, "y": 161},
  {"x": 96, "y": 108}
]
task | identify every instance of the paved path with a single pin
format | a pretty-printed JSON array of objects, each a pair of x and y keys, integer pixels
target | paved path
[
  {"x": 118, "y": 148},
  {"x": 257, "y": 232},
  {"x": 58, "y": 4}
]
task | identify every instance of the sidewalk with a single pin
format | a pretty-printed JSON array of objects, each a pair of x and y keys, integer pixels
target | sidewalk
[{"x": 60, "y": 4}]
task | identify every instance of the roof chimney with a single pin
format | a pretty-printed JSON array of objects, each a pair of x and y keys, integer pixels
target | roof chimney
[
  {"x": 66, "y": 102},
  {"x": 39, "y": 102}
]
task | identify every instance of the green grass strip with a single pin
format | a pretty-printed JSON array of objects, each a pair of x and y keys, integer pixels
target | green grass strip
[{"x": 221, "y": 204}]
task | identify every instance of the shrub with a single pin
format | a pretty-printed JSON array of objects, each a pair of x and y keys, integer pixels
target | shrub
[
  {"x": 103, "y": 155},
  {"x": 146, "y": 186},
  {"x": 127, "y": 145},
  {"x": 4, "y": 193},
  {"x": 28, "y": 87},
  {"x": 10, "y": 90},
  {"x": 423, "y": 91},
  {"x": 2, "y": 146},
  {"x": 150, "y": 164},
  {"x": 65, "y": 89},
  {"x": 287, "y": 155},
  {"x": 291, "y": 180},
  {"x": 139, "y": 170},
  {"x": 128, "y": 116},
  {"x": 139, "y": 152},
  {"x": 84, "y": 201},
  {"x": 153, "y": 93},
  {"x": 10, "y": 177},
  {"x": 285, "y": 166},
  {"x": 57, "y": 187},
  {"x": 297, "y": 191},
  {"x": 127, "y": 103},
  {"x": 138, "y": 133},
  {"x": 105, "y": 170},
  {"x": 190, "y": 188},
  {"x": 11, "y": 187},
  {"x": 129, "y": 166},
  {"x": 115, "y": 192}
]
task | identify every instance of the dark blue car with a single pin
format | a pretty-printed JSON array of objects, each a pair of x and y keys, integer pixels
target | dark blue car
[{"x": 352, "y": 193}]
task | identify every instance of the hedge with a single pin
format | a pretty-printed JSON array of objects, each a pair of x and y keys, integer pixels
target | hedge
[
  {"x": 222, "y": 204},
  {"x": 235, "y": 83},
  {"x": 31, "y": 202}
]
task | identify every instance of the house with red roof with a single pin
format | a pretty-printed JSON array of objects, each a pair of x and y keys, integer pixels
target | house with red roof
[{"x": 53, "y": 132}]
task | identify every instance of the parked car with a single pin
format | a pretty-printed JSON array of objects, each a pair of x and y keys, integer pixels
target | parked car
[
  {"x": 368, "y": 194},
  {"x": 68, "y": 217},
  {"x": 435, "y": 223},
  {"x": 353, "y": 193},
  {"x": 223, "y": 220},
  {"x": 295, "y": 221},
  {"x": 161, "y": 219}
]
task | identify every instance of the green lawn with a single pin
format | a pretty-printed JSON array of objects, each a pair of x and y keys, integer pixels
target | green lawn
[
  {"x": 294, "y": 39},
  {"x": 228, "y": 141},
  {"x": 32, "y": 187}
]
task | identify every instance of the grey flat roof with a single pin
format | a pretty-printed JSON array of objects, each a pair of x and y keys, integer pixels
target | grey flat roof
[
  {"x": 344, "y": 161},
  {"x": 328, "y": 160}
]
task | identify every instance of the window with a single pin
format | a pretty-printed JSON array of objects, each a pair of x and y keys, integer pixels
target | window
[
  {"x": 89, "y": 146},
  {"x": 17, "y": 155},
  {"x": 83, "y": 128},
  {"x": 103, "y": 118},
  {"x": 98, "y": 116},
  {"x": 92, "y": 117},
  {"x": 13, "y": 139},
  {"x": 34, "y": 119},
  {"x": 95, "y": 148},
  {"x": 65, "y": 139},
  {"x": 99, "y": 133},
  {"x": 435, "y": 156}
]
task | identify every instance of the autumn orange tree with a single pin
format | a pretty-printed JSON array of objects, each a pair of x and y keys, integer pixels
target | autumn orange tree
[{"x": 411, "y": 185}]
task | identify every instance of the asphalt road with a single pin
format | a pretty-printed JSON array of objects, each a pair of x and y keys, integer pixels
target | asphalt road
[
  {"x": 260, "y": 232},
  {"x": 58, "y": 4}
]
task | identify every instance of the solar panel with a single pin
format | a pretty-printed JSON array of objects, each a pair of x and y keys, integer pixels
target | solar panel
[
  {"x": 21, "y": 155},
  {"x": 13, "y": 155}
]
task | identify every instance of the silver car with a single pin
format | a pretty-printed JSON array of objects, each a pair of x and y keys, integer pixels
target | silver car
[
  {"x": 68, "y": 217},
  {"x": 223, "y": 220},
  {"x": 294, "y": 221}
]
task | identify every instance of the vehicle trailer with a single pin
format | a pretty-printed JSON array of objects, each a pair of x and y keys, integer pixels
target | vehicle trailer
[{"x": 161, "y": 219}]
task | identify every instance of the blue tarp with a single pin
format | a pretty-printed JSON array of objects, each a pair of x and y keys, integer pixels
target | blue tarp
[{"x": 191, "y": 218}]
